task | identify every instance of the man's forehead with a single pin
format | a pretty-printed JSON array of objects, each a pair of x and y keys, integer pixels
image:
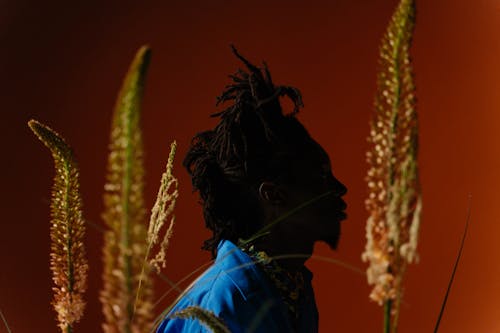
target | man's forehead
[{"x": 317, "y": 159}]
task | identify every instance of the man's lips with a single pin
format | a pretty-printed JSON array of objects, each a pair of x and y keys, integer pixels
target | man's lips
[
  {"x": 342, "y": 215},
  {"x": 337, "y": 207},
  {"x": 342, "y": 207}
]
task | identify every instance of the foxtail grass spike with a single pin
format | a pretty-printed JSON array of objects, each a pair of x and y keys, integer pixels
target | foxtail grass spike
[
  {"x": 67, "y": 258},
  {"x": 394, "y": 201},
  {"x": 162, "y": 210},
  {"x": 207, "y": 318},
  {"x": 124, "y": 213}
]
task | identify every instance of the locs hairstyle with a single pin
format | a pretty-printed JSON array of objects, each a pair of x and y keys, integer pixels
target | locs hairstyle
[{"x": 253, "y": 142}]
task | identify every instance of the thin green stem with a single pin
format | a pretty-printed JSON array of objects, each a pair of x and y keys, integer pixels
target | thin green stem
[
  {"x": 5, "y": 322},
  {"x": 340, "y": 263},
  {"x": 459, "y": 255},
  {"x": 69, "y": 231},
  {"x": 68, "y": 227},
  {"x": 125, "y": 227},
  {"x": 399, "y": 297},
  {"x": 387, "y": 316},
  {"x": 175, "y": 286},
  {"x": 397, "y": 95},
  {"x": 264, "y": 231},
  {"x": 143, "y": 268}
]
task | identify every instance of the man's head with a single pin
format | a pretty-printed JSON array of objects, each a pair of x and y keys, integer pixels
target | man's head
[{"x": 259, "y": 163}]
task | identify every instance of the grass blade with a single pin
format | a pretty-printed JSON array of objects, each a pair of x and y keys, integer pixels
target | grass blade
[
  {"x": 266, "y": 229},
  {"x": 5, "y": 322},
  {"x": 448, "y": 289},
  {"x": 175, "y": 286}
]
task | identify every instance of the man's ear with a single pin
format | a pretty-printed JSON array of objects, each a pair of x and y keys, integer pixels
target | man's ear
[{"x": 270, "y": 192}]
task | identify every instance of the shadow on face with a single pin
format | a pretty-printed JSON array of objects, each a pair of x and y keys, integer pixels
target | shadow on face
[{"x": 309, "y": 177}]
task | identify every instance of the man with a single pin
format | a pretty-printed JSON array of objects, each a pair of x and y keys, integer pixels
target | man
[{"x": 268, "y": 195}]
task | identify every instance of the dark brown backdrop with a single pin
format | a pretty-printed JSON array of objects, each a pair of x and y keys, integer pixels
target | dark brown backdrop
[{"x": 62, "y": 63}]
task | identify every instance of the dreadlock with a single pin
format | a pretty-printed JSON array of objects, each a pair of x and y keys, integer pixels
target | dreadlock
[{"x": 254, "y": 141}]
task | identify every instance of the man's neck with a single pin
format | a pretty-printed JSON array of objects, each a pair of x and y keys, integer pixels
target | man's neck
[{"x": 290, "y": 255}]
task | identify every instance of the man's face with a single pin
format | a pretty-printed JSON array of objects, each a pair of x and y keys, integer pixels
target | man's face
[{"x": 320, "y": 221}]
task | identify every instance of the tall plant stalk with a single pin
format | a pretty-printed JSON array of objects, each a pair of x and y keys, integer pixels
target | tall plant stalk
[
  {"x": 68, "y": 262},
  {"x": 125, "y": 241},
  {"x": 394, "y": 201}
]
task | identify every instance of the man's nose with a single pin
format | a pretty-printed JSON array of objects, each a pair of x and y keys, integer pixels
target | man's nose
[{"x": 339, "y": 188}]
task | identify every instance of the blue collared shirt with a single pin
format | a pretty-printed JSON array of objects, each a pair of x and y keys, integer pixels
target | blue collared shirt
[{"x": 236, "y": 290}]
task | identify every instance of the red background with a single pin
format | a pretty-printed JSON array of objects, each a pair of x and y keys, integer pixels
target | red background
[{"x": 62, "y": 63}]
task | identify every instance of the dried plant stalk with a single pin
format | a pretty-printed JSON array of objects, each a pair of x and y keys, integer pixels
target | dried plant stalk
[
  {"x": 394, "y": 201},
  {"x": 67, "y": 258},
  {"x": 207, "y": 318},
  {"x": 125, "y": 241},
  {"x": 162, "y": 209}
]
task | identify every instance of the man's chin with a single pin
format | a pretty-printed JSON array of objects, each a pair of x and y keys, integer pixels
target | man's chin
[{"x": 332, "y": 241}]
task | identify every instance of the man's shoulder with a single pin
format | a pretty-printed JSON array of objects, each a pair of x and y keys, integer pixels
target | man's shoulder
[
  {"x": 232, "y": 281},
  {"x": 234, "y": 289},
  {"x": 233, "y": 277}
]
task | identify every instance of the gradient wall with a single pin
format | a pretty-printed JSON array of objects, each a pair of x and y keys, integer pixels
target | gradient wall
[{"x": 62, "y": 63}]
